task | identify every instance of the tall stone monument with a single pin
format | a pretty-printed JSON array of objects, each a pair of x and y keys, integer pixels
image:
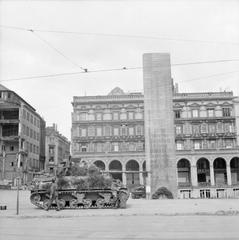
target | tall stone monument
[{"x": 159, "y": 123}]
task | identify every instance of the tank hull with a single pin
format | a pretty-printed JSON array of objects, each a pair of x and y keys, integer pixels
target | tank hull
[{"x": 82, "y": 199}]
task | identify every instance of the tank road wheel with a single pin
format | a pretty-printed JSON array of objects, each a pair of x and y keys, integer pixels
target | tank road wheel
[
  {"x": 87, "y": 203},
  {"x": 35, "y": 198},
  {"x": 100, "y": 203},
  {"x": 73, "y": 203},
  {"x": 46, "y": 203},
  {"x": 62, "y": 203}
]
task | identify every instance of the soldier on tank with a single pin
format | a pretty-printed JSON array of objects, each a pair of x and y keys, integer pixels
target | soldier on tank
[{"x": 53, "y": 195}]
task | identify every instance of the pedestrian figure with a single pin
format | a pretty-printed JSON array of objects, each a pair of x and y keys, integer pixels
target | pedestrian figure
[{"x": 53, "y": 195}]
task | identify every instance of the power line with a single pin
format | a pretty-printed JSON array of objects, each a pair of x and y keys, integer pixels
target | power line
[
  {"x": 210, "y": 76},
  {"x": 117, "y": 69},
  {"x": 57, "y": 50},
  {"x": 122, "y": 35}
]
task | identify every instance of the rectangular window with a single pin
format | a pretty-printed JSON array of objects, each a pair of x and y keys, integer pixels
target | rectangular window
[
  {"x": 195, "y": 113},
  {"x": 91, "y": 117},
  {"x": 11, "y": 148},
  {"x": 177, "y": 114},
  {"x": 24, "y": 113},
  {"x": 107, "y": 131},
  {"x": 123, "y": 116},
  {"x": 83, "y": 132},
  {"x": 226, "y": 112},
  {"x": 115, "y": 116},
  {"x": 83, "y": 148},
  {"x": 91, "y": 131},
  {"x": 31, "y": 133},
  {"x": 210, "y": 112},
  {"x": 99, "y": 131},
  {"x": 115, "y": 147},
  {"x": 212, "y": 144},
  {"x": 98, "y": 116},
  {"x": 179, "y": 145},
  {"x": 116, "y": 131},
  {"x": 124, "y": 130},
  {"x": 204, "y": 128},
  {"x": 30, "y": 147},
  {"x": 83, "y": 117},
  {"x": 131, "y": 131},
  {"x": 228, "y": 128},
  {"x": 130, "y": 115},
  {"x": 197, "y": 145},
  {"x": 212, "y": 128},
  {"x": 28, "y": 116},
  {"x": 138, "y": 115},
  {"x": 107, "y": 116},
  {"x": 178, "y": 129},
  {"x": 196, "y": 129},
  {"x": 229, "y": 143},
  {"x": 139, "y": 130},
  {"x": 99, "y": 147}
]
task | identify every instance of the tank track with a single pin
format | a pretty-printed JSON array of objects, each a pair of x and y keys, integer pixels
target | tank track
[{"x": 82, "y": 199}]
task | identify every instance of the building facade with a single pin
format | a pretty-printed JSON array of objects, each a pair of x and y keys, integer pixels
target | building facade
[
  {"x": 57, "y": 149},
  {"x": 109, "y": 131},
  {"x": 20, "y": 134}
]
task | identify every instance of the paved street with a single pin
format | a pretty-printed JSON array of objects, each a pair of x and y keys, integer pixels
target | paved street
[
  {"x": 120, "y": 227},
  {"x": 154, "y": 219}
]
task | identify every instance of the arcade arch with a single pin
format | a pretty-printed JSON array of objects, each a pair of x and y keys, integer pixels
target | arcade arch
[
  {"x": 203, "y": 171},
  {"x": 100, "y": 164},
  {"x": 220, "y": 171},
  {"x": 184, "y": 173},
  {"x": 115, "y": 169},
  {"x": 132, "y": 173},
  {"x": 234, "y": 164}
]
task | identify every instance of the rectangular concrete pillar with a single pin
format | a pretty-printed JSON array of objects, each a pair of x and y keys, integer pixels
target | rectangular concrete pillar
[{"x": 159, "y": 122}]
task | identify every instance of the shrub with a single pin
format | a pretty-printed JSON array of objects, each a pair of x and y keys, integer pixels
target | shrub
[{"x": 163, "y": 191}]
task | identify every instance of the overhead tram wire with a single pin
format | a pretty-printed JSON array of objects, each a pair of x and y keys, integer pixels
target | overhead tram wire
[
  {"x": 122, "y": 35},
  {"x": 118, "y": 69},
  {"x": 57, "y": 50}
]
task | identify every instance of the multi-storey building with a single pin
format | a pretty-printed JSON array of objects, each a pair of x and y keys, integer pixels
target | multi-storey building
[
  {"x": 57, "y": 148},
  {"x": 109, "y": 131},
  {"x": 20, "y": 134}
]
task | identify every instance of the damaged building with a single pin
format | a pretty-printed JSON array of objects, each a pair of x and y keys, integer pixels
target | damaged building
[{"x": 22, "y": 138}]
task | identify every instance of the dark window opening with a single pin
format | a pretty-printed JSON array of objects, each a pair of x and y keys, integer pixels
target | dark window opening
[{"x": 177, "y": 114}]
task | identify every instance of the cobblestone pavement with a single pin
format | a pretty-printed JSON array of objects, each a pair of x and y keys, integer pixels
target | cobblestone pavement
[{"x": 143, "y": 219}]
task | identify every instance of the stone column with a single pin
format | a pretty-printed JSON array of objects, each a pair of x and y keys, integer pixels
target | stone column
[
  {"x": 141, "y": 179},
  {"x": 229, "y": 176},
  {"x": 159, "y": 122},
  {"x": 106, "y": 167},
  {"x": 124, "y": 180},
  {"x": 212, "y": 178},
  {"x": 194, "y": 176}
]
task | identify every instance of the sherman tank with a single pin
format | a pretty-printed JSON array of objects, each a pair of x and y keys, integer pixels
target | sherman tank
[{"x": 80, "y": 187}]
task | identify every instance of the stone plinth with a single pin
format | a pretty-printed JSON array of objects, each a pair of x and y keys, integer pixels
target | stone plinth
[{"x": 159, "y": 122}]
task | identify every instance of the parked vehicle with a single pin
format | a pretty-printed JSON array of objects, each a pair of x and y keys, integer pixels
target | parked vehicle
[{"x": 138, "y": 192}]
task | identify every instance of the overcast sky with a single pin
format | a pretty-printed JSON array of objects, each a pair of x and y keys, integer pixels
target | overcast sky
[{"x": 214, "y": 25}]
